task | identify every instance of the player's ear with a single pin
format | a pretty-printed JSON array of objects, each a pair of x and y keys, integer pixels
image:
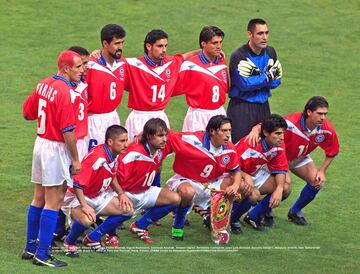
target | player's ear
[
  {"x": 148, "y": 46},
  {"x": 203, "y": 43},
  {"x": 249, "y": 33}
]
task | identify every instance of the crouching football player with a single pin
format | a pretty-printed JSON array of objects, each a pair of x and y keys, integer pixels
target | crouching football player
[
  {"x": 95, "y": 192},
  {"x": 266, "y": 168}
]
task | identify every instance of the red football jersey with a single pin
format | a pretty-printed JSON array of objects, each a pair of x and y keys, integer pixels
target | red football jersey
[
  {"x": 98, "y": 169},
  {"x": 50, "y": 103},
  {"x": 193, "y": 159},
  {"x": 105, "y": 85},
  {"x": 252, "y": 159},
  {"x": 79, "y": 100},
  {"x": 299, "y": 141},
  {"x": 205, "y": 84},
  {"x": 150, "y": 86},
  {"x": 137, "y": 168}
]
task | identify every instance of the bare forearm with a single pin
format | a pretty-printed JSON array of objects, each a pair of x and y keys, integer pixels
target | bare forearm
[
  {"x": 70, "y": 141},
  {"x": 326, "y": 163},
  {"x": 189, "y": 54},
  {"x": 80, "y": 196}
]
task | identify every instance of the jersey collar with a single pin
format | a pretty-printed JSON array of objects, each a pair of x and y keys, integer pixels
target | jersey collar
[
  {"x": 206, "y": 61},
  {"x": 206, "y": 141},
  {"x": 102, "y": 61},
  {"x": 253, "y": 53},
  {"x": 61, "y": 78},
  {"x": 304, "y": 127},
  {"x": 265, "y": 145},
  {"x": 110, "y": 156},
  {"x": 151, "y": 62}
]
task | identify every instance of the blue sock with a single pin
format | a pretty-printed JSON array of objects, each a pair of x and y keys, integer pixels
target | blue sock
[
  {"x": 60, "y": 225},
  {"x": 180, "y": 216},
  {"x": 269, "y": 209},
  {"x": 107, "y": 226},
  {"x": 75, "y": 232},
  {"x": 156, "y": 181},
  {"x": 238, "y": 209},
  {"x": 34, "y": 214},
  {"x": 153, "y": 214},
  {"x": 307, "y": 194},
  {"x": 260, "y": 208},
  {"x": 47, "y": 227}
]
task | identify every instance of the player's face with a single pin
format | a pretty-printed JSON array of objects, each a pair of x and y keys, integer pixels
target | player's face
[
  {"x": 221, "y": 136},
  {"x": 115, "y": 47},
  {"x": 259, "y": 37},
  {"x": 275, "y": 138},
  {"x": 85, "y": 61},
  {"x": 157, "y": 51},
  {"x": 158, "y": 141},
  {"x": 212, "y": 48},
  {"x": 76, "y": 71},
  {"x": 119, "y": 144},
  {"x": 316, "y": 117}
]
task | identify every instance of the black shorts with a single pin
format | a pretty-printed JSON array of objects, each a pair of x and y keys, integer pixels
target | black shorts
[{"x": 244, "y": 116}]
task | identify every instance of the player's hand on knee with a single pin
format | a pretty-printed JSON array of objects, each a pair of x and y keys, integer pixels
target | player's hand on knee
[
  {"x": 89, "y": 212},
  {"x": 275, "y": 199},
  {"x": 125, "y": 204}
]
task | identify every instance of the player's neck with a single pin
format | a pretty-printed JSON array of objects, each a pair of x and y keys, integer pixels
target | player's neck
[
  {"x": 63, "y": 74},
  {"x": 310, "y": 125},
  {"x": 255, "y": 49},
  {"x": 210, "y": 57},
  {"x": 108, "y": 58}
]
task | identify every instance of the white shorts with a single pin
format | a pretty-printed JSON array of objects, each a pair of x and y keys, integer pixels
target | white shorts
[
  {"x": 137, "y": 119},
  {"x": 50, "y": 163},
  {"x": 202, "y": 192},
  {"x": 98, "y": 124},
  {"x": 196, "y": 119},
  {"x": 144, "y": 199},
  {"x": 299, "y": 162},
  {"x": 260, "y": 178},
  {"x": 97, "y": 203},
  {"x": 82, "y": 147}
]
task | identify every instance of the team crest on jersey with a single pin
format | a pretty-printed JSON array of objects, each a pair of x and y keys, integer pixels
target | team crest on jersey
[
  {"x": 273, "y": 155},
  {"x": 168, "y": 73},
  {"x": 319, "y": 138},
  {"x": 223, "y": 74},
  {"x": 121, "y": 72},
  {"x": 225, "y": 159},
  {"x": 159, "y": 156}
]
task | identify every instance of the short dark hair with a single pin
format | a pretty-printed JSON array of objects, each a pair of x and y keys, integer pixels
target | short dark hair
[
  {"x": 253, "y": 22},
  {"x": 79, "y": 50},
  {"x": 114, "y": 131},
  {"x": 314, "y": 103},
  {"x": 208, "y": 32},
  {"x": 151, "y": 127},
  {"x": 111, "y": 31},
  {"x": 153, "y": 36},
  {"x": 272, "y": 123},
  {"x": 216, "y": 122}
]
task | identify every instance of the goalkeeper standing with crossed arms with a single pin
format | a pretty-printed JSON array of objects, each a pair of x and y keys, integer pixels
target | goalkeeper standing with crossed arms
[{"x": 254, "y": 71}]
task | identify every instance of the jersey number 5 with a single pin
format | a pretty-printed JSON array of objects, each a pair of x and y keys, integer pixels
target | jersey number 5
[{"x": 41, "y": 116}]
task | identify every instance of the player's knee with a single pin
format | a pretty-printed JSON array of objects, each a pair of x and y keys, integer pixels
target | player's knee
[
  {"x": 85, "y": 221},
  {"x": 254, "y": 196},
  {"x": 176, "y": 199},
  {"x": 186, "y": 192},
  {"x": 287, "y": 190}
]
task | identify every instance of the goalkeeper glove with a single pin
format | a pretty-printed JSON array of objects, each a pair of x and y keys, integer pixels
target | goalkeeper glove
[
  {"x": 273, "y": 71},
  {"x": 247, "y": 68}
]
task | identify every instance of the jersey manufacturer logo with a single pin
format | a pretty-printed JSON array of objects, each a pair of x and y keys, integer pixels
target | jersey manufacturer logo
[
  {"x": 319, "y": 138},
  {"x": 121, "y": 72},
  {"x": 225, "y": 159},
  {"x": 167, "y": 73}
]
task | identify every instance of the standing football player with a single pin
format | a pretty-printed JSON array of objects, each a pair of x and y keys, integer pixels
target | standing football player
[
  {"x": 106, "y": 81},
  {"x": 254, "y": 72},
  {"x": 54, "y": 157},
  {"x": 204, "y": 80}
]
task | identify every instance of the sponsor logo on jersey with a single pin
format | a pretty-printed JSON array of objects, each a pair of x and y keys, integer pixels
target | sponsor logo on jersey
[
  {"x": 225, "y": 159},
  {"x": 168, "y": 73},
  {"x": 319, "y": 138}
]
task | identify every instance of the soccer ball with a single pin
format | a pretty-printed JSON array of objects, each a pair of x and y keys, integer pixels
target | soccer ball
[{"x": 220, "y": 237}]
